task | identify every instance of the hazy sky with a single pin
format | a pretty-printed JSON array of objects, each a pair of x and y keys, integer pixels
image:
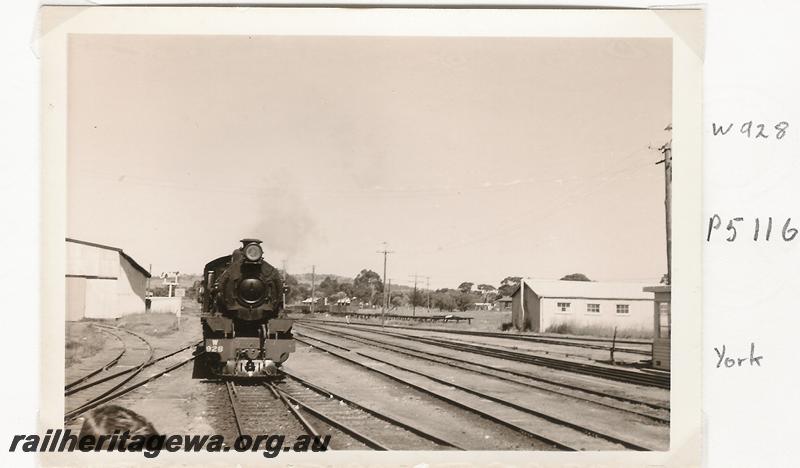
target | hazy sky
[{"x": 473, "y": 158}]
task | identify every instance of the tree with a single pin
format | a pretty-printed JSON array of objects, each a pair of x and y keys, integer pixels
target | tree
[
  {"x": 575, "y": 277},
  {"x": 485, "y": 289},
  {"x": 418, "y": 298},
  {"x": 465, "y": 287},
  {"x": 442, "y": 300},
  {"x": 465, "y": 300},
  {"x": 367, "y": 285},
  {"x": 329, "y": 286},
  {"x": 453, "y": 299},
  {"x": 491, "y": 296},
  {"x": 508, "y": 285},
  {"x": 347, "y": 288},
  {"x": 398, "y": 299}
]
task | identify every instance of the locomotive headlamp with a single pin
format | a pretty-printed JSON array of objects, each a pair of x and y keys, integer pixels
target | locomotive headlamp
[{"x": 253, "y": 252}]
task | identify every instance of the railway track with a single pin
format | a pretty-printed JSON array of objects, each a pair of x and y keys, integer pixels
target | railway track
[
  {"x": 643, "y": 347},
  {"x": 137, "y": 352},
  {"x": 649, "y": 410},
  {"x": 259, "y": 409},
  {"x": 373, "y": 428},
  {"x": 75, "y": 388},
  {"x": 69, "y": 416},
  {"x": 555, "y": 432},
  {"x": 622, "y": 375},
  {"x": 104, "y": 386},
  {"x": 114, "y": 360},
  {"x": 256, "y": 409}
]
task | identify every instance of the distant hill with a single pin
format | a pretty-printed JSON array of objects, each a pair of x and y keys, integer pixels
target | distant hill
[
  {"x": 305, "y": 278},
  {"x": 187, "y": 280},
  {"x": 402, "y": 287}
]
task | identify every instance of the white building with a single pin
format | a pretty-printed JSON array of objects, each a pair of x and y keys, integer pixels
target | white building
[
  {"x": 102, "y": 282},
  {"x": 539, "y": 304}
]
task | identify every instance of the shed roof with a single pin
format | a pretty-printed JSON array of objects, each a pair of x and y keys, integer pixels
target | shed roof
[
  {"x": 588, "y": 289},
  {"x": 127, "y": 257}
]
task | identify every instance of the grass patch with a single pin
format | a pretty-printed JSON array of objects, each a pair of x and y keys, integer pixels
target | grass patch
[
  {"x": 155, "y": 324},
  {"x": 488, "y": 321},
  {"x": 482, "y": 320},
  {"x": 82, "y": 340},
  {"x": 605, "y": 331}
]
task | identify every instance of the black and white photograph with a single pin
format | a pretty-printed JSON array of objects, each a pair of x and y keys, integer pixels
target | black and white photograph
[{"x": 371, "y": 240}]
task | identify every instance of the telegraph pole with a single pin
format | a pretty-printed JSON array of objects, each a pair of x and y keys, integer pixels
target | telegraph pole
[
  {"x": 414, "y": 297},
  {"x": 666, "y": 150},
  {"x": 313, "y": 278},
  {"x": 284, "y": 283},
  {"x": 428, "y": 286},
  {"x": 385, "y": 253},
  {"x": 389, "y": 294}
]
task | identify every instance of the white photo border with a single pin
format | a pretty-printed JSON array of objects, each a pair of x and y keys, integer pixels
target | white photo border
[{"x": 683, "y": 26}]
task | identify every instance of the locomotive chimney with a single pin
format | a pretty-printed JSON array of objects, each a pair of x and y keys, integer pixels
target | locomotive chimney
[{"x": 250, "y": 241}]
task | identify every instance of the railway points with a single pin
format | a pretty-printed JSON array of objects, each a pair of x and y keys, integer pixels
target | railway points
[
  {"x": 136, "y": 354},
  {"x": 111, "y": 383},
  {"x": 414, "y": 366},
  {"x": 399, "y": 433},
  {"x": 257, "y": 408}
]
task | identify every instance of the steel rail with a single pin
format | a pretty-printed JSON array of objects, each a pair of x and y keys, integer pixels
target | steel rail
[
  {"x": 524, "y": 409},
  {"x": 239, "y": 412},
  {"x": 134, "y": 372},
  {"x": 451, "y": 401},
  {"x": 560, "y": 364},
  {"x": 396, "y": 422},
  {"x": 305, "y": 423},
  {"x": 125, "y": 371},
  {"x": 507, "y": 371},
  {"x": 70, "y": 415},
  {"x": 536, "y": 338},
  {"x": 237, "y": 416},
  {"x": 444, "y": 361},
  {"x": 105, "y": 366},
  {"x": 363, "y": 438}
]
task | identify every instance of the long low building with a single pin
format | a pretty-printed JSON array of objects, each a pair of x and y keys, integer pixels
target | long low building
[
  {"x": 103, "y": 282},
  {"x": 539, "y": 305}
]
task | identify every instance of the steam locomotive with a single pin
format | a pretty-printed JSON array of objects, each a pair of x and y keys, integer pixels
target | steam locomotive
[{"x": 245, "y": 331}]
